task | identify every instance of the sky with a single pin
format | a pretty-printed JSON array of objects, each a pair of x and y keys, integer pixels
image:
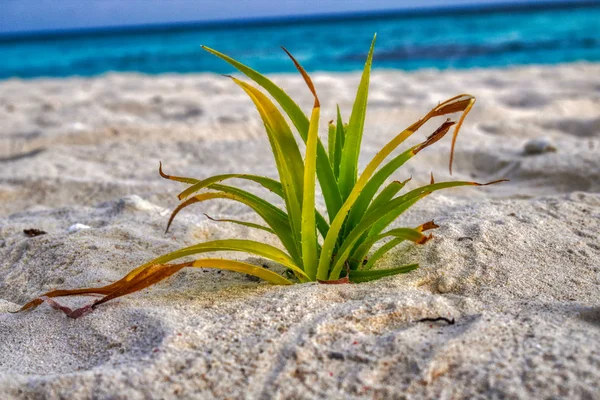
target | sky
[{"x": 41, "y": 15}]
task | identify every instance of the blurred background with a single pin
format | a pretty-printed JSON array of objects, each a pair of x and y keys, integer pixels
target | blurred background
[{"x": 72, "y": 37}]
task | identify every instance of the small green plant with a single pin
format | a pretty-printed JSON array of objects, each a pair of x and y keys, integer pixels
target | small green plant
[{"x": 336, "y": 249}]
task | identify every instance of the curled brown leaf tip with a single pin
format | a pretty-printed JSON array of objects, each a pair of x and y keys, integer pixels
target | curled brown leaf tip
[
  {"x": 461, "y": 103},
  {"x": 189, "y": 181},
  {"x": 457, "y": 103},
  {"x": 428, "y": 225},
  {"x": 304, "y": 74},
  {"x": 469, "y": 102},
  {"x": 211, "y": 218},
  {"x": 432, "y": 179},
  {"x": 435, "y": 136},
  {"x": 160, "y": 171}
]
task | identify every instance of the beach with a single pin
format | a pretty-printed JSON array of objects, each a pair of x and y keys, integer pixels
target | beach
[{"x": 515, "y": 265}]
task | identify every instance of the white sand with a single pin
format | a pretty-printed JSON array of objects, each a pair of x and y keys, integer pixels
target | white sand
[{"x": 517, "y": 265}]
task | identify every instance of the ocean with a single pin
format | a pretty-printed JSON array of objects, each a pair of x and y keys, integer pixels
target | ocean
[{"x": 447, "y": 38}]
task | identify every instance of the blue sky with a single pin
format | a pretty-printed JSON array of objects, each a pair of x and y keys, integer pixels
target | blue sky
[{"x": 34, "y": 15}]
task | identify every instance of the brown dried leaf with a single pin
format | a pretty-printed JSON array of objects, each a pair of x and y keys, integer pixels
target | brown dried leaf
[{"x": 127, "y": 285}]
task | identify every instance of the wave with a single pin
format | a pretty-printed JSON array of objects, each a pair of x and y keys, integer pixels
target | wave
[{"x": 410, "y": 52}]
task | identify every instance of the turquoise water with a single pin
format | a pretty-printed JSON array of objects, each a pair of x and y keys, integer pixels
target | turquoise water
[{"x": 448, "y": 39}]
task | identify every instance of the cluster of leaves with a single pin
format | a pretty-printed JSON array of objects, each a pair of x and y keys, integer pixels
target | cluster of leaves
[{"x": 335, "y": 249}]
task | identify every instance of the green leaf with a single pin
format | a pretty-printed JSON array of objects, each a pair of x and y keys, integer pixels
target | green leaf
[
  {"x": 385, "y": 221},
  {"x": 331, "y": 133},
  {"x": 404, "y": 233},
  {"x": 246, "y": 246},
  {"x": 267, "y": 183},
  {"x": 331, "y": 194},
  {"x": 351, "y": 151},
  {"x": 309, "y": 231},
  {"x": 245, "y": 268},
  {"x": 296, "y": 115},
  {"x": 388, "y": 246},
  {"x": 361, "y": 205},
  {"x": 330, "y": 241},
  {"x": 340, "y": 138},
  {"x": 380, "y": 252},
  {"x": 273, "y": 216},
  {"x": 365, "y": 197},
  {"x": 287, "y": 155},
  {"x": 386, "y": 194},
  {"x": 366, "y": 276},
  {"x": 384, "y": 214},
  {"x": 243, "y": 223},
  {"x": 397, "y": 205},
  {"x": 322, "y": 224}
]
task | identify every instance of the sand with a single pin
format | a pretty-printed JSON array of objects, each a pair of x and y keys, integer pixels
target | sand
[{"x": 516, "y": 265}]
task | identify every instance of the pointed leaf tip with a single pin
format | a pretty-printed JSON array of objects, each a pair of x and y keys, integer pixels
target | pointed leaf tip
[
  {"x": 238, "y": 222},
  {"x": 492, "y": 182},
  {"x": 306, "y": 77}
]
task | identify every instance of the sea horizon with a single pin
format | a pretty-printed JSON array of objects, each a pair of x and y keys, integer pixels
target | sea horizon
[{"x": 517, "y": 6}]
